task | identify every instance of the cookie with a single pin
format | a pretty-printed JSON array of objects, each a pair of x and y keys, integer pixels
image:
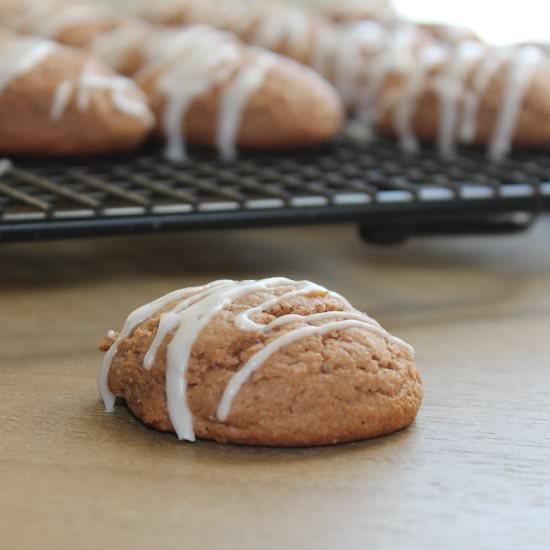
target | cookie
[
  {"x": 58, "y": 101},
  {"x": 272, "y": 362}
]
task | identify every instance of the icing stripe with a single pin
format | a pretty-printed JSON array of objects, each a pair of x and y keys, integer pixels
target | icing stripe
[
  {"x": 451, "y": 90},
  {"x": 234, "y": 100},
  {"x": 472, "y": 98},
  {"x": 519, "y": 77},
  {"x": 122, "y": 92},
  {"x": 61, "y": 99},
  {"x": 20, "y": 56}
]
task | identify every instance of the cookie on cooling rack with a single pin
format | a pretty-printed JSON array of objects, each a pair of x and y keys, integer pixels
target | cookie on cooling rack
[
  {"x": 470, "y": 94},
  {"x": 271, "y": 362},
  {"x": 58, "y": 101},
  {"x": 244, "y": 97}
]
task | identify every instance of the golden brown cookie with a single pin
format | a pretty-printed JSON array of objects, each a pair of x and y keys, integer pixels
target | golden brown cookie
[
  {"x": 271, "y": 362},
  {"x": 58, "y": 101}
]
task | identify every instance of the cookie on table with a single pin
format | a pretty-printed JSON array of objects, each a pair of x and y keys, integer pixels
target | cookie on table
[
  {"x": 271, "y": 362},
  {"x": 58, "y": 101}
]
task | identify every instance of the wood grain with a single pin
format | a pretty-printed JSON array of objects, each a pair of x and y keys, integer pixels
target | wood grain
[{"x": 473, "y": 472}]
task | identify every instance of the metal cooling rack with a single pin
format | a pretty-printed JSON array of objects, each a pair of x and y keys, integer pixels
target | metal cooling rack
[{"x": 390, "y": 194}]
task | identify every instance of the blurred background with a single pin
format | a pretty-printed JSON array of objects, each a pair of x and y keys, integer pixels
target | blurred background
[{"x": 494, "y": 20}]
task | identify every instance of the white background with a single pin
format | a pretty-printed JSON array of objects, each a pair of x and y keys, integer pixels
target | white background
[{"x": 498, "y": 21}]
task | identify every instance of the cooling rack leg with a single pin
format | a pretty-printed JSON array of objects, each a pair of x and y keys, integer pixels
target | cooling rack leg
[
  {"x": 386, "y": 234},
  {"x": 504, "y": 223}
]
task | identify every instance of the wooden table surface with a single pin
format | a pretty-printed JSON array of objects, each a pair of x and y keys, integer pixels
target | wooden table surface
[{"x": 473, "y": 472}]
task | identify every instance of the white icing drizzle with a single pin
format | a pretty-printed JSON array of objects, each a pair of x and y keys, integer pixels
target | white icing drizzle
[
  {"x": 393, "y": 54},
  {"x": 472, "y": 98},
  {"x": 21, "y": 55},
  {"x": 122, "y": 92},
  {"x": 519, "y": 77},
  {"x": 234, "y": 100},
  {"x": 5, "y": 166},
  {"x": 194, "y": 308},
  {"x": 350, "y": 56},
  {"x": 60, "y": 100},
  {"x": 406, "y": 108},
  {"x": 451, "y": 89}
]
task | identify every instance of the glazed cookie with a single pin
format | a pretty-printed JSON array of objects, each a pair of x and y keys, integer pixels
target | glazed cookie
[
  {"x": 204, "y": 85},
  {"x": 58, "y": 101},
  {"x": 271, "y": 362}
]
